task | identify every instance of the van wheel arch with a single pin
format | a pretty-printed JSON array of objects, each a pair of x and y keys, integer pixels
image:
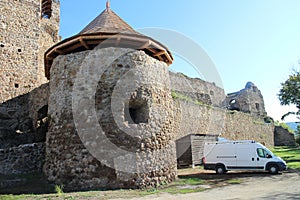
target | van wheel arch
[{"x": 220, "y": 168}]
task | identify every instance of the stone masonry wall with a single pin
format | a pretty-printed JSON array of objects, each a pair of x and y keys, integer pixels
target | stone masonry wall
[
  {"x": 20, "y": 119},
  {"x": 127, "y": 145},
  {"x": 23, "y": 159},
  {"x": 204, "y": 119},
  {"x": 282, "y": 137},
  {"x": 197, "y": 89},
  {"x": 24, "y": 37},
  {"x": 242, "y": 126}
]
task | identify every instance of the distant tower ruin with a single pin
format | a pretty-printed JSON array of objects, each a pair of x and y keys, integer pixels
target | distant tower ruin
[
  {"x": 248, "y": 100},
  {"x": 27, "y": 29}
]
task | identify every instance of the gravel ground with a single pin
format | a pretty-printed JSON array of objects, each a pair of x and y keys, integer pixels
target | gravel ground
[{"x": 283, "y": 186}]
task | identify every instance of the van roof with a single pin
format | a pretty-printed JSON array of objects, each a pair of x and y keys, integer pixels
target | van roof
[{"x": 233, "y": 142}]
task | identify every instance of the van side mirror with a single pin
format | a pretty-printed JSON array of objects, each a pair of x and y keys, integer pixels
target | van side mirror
[{"x": 269, "y": 156}]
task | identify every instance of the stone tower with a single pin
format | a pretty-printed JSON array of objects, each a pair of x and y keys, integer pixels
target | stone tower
[
  {"x": 111, "y": 109},
  {"x": 27, "y": 29},
  {"x": 248, "y": 100}
]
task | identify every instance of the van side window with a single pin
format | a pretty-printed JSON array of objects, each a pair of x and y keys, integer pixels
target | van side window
[{"x": 261, "y": 153}]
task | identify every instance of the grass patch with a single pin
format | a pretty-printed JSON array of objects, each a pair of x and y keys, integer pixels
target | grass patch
[
  {"x": 59, "y": 189},
  {"x": 177, "y": 95},
  {"x": 183, "y": 190},
  {"x": 179, "y": 186},
  {"x": 189, "y": 181},
  {"x": 290, "y": 154},
  {"x": 234, "y": 181}
]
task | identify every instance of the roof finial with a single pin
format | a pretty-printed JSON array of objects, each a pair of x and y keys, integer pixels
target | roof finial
[{"x": 107, "y": 4}]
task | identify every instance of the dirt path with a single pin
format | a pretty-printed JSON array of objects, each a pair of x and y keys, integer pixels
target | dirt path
[{"x": 283, "y": 186}]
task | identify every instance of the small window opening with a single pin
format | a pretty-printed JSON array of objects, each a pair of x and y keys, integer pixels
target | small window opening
[
  {"x": 257, "y": 106},
  {"x": 19, "y": 50},
  {"x": 2, "y": 45},
  {"x": 137, "y": 111},
  {"x": 233, "y": 101},
  {"x": 42, "y": 124},
  {"x": 16, "y": 85},
  {"x": 255, "y": 89},
  {"x": 46, "y": 9}
]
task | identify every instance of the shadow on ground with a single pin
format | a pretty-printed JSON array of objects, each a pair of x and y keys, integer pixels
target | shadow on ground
[{"x": 25, "y": 184}]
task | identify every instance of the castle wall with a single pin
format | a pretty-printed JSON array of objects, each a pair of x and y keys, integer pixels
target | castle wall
[
  {"x": 127, "y": 145},
  {"x": 204, "y": 119},
  {"x": 282, "y": 137},
  {"x": 197, "y": 89},
  {"x": 22, "y": 159},
  {"x": 24, "y": 37},
  {"x": 21, "y": 121},
  {"x": 243, "y": 126}
]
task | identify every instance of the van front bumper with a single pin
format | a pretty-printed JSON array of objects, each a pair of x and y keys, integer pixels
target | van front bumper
[{"x": 282, "y": 166}]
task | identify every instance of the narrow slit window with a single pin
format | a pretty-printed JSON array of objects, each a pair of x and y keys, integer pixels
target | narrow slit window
[{"x": 46, "y": 9}]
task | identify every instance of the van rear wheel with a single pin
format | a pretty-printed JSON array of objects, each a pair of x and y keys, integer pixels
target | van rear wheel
[{"x": 220, "y": 169}]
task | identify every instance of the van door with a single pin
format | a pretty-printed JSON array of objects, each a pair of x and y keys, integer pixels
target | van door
[
  {"x": 245, "y": 154},
  {"x": 261, "y": 158}
]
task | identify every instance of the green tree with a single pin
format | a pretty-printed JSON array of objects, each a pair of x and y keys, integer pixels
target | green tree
[{"x": 289, "y": 94}]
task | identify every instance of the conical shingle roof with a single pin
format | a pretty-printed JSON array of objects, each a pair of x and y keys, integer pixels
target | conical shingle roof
[
  {"x": 108, "y": 29},
  {"x": 108, "y": 21}
]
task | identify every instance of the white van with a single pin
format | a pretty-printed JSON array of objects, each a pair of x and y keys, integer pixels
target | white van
[{"x": 240, "y": 155}]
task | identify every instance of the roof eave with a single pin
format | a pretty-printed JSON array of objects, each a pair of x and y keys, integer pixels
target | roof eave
[{"x": 89, "y": 41}]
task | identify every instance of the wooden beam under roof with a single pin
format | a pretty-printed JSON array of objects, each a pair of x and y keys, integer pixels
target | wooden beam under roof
[{"x": 84, "y": 43}]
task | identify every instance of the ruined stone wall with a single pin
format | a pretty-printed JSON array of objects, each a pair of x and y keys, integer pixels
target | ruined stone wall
[
  {"x": 21, "y": 119},
  {"x": 197, "y": 89},
  {"x": 124, "y": 126},
  {"x": 38, "y": 99},
  {"x": 23, "y": 159},
  {"x": 242, "y": 126},
  {"x": 282, "y": 137},
  {"x": 204, "y": 119},
  {"x": 24, "y": 37},
  {"x": 15, "y": 124}
]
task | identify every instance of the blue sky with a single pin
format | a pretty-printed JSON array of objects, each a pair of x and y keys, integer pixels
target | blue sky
[{"x": 249, "y": 40}]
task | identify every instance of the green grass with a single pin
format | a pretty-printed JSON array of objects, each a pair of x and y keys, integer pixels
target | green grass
[
  {"x": 234, "y": 181},
  {"x": 177, "y": 95},
  {"x": 290, "y": 154},
  {"x": 189, "y": 181},
  {"x": 180, "y": 186},
  {"x": 59, "y": 189}
]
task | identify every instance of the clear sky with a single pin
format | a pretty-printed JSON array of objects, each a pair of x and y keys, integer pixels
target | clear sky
[{"x": 249, "y": 40}]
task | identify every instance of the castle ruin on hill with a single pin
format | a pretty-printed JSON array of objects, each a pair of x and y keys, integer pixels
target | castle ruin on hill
[{"x": 100, "y": 109}]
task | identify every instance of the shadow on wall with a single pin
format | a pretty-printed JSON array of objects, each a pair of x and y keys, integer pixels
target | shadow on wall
[{"x": 23, "y": 120}]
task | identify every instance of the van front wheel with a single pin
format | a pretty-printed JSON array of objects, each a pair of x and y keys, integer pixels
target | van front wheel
[
  {"x": 273, "y": 169},
  {"x": 220, "y": 169}
]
